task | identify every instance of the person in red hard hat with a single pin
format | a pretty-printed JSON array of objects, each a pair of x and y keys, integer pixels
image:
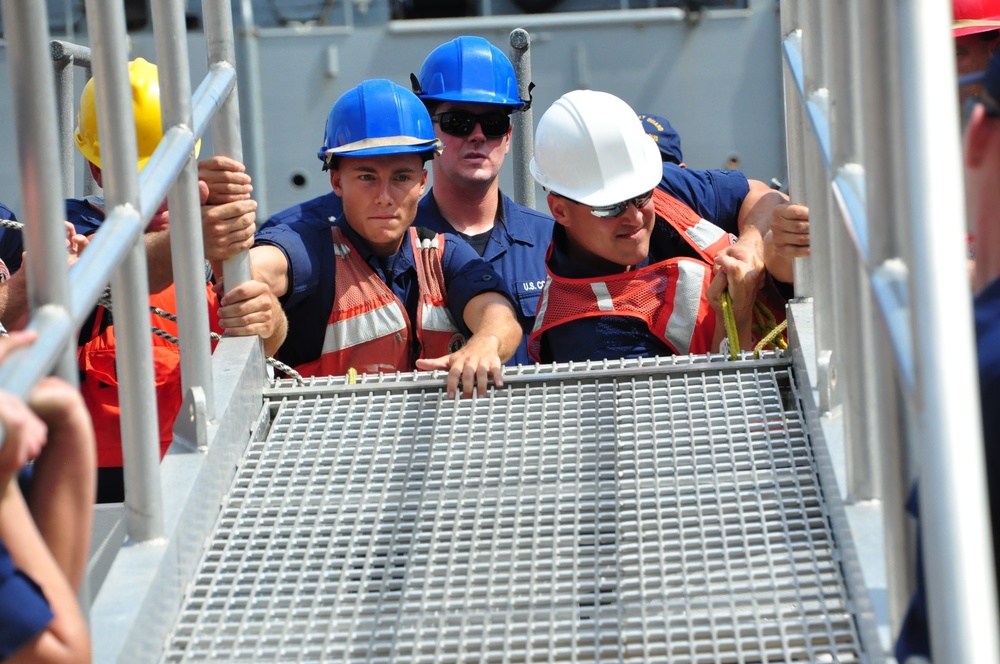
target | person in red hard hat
[{"x": 976, "y": 29}]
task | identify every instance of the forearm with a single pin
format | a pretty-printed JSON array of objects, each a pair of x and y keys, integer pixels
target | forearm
[
  {"x": 273, "y": 342},
  {"x": 755, "y": 212},
  {"x": 158, "y": 260},
  {"x": 63, "y": 484},
  {"x": 66, "y": 639},
  {"x": 781, "y": 267},
  {"x": 268, "y": 264},
  {"x": 14, "y": 301},
  {"x": 493, "y": 315}
]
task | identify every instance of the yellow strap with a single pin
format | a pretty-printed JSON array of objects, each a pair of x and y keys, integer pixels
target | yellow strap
[
  {"x": 763, "y": 319},
  {"x": 352, "y": 376},
  {"x": 729, "y": 318},
  {"x": 774, "y": 336}
]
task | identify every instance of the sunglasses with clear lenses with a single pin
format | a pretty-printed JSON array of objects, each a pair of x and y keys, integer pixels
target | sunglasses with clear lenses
[
  {"x": 616, "y": 210},
  {"x": 461, "y": 123}
]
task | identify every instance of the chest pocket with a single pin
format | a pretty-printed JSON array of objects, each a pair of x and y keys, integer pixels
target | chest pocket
[{"x": 528, "y": 293}]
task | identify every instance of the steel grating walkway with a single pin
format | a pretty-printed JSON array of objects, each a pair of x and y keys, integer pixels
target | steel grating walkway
[{"x": 667, "y": 513}]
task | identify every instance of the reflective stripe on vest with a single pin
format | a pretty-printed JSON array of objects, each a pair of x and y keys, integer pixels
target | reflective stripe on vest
[
  {"x": 705, "y": 237},
  {"x": 669, "y": 297},
  {"x": 368, "y": 329}
]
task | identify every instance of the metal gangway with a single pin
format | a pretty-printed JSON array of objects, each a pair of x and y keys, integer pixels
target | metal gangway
[{"x": 689, "y": 509}]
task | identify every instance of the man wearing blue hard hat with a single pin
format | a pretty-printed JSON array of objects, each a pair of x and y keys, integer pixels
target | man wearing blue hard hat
[
  {"x": 470, "y": 89},
  {"x": 366, "y": 290}
]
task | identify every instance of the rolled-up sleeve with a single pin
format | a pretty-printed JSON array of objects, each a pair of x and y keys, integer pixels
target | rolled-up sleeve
[
  {"x": 306, "y": 246},
  {"x": 466, "y": 276},
  {"x": 24, "y": 611}
]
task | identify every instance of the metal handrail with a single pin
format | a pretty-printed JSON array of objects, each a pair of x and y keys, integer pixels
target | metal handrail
[
  {"x": 116, "y": 250},
  {"x": 865, "y": 81}
]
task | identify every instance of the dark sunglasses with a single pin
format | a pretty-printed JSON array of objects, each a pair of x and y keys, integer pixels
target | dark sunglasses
[
  {"x": 461, "y": 123},
  {"x": 616, "y": 210}
]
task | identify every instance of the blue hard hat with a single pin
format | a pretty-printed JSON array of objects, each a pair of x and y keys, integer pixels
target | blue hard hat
[
  {"x": 378, "y": 117},
  {"x": 471, "y": 70}
]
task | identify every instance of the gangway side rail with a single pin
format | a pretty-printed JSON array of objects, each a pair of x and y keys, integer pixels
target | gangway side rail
[
  {"x": 144, "y": 586},
  {"x": 879, "y": 176}
]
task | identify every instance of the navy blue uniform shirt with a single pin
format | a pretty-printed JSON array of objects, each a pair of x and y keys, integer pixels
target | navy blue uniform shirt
[
  {"x": 516, "y": 249},
  {"x": 24, "y": 611},
  {"x": 914, "y": 635},
  {"x": 11, "y": 243},
  {"x": 307, "y": 243}
]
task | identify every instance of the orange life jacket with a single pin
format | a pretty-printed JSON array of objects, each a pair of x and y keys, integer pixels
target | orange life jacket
[
  {"x": 708, "y": 240},
  {"x": 99, "y": 376},
  {"x": 669, "y": 296},
  {"x": 369, "y": 330}
]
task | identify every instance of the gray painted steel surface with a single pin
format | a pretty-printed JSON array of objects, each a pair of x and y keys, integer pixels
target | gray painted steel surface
[{"x": 667, "y": 510}]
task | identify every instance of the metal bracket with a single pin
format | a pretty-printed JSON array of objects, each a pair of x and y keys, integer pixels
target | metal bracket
[
  {"x": 191, "y": 426},
  {"x": 826, "y": 381}
]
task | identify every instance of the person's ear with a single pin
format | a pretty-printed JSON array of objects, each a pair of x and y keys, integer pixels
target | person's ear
[
  {"x": 95, "y": 172},
  {"x": 335, "y": 182},
  {"x": 423, "y": 181},
  {"x": 559, "y": 207}
]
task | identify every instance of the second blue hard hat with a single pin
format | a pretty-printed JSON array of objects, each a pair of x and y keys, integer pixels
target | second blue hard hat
[
  {"x": 470, "y": 70},
  {"x": 378, "y": 117}
]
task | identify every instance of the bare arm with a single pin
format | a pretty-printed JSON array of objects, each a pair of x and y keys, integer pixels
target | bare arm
[
  {"x": 755, "y": 223},
  {"x": 268, "y": 264},
  {"x": 495, "y": 336},
  {"x": 14, "y": 300},
  {"x": 66, "y": 638},
  {"x": 786, "y": 240}
]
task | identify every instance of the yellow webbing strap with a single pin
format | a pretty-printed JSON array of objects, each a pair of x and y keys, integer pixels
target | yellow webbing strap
[{"x": 732, "y": 334}]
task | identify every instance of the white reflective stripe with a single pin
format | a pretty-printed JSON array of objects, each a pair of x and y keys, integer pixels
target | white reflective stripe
[
  {"x": 687, "y": 302},
  {"x": 371, "y": 325},
  {"x": 437, "y": 319},
  {"x": 543, "y": 304},
  {"x": 604, "y": 301},
  {"x": 428, "y": 243},
  {"x": 341, "y": 250},
  {"x": 704, "y": 234}
]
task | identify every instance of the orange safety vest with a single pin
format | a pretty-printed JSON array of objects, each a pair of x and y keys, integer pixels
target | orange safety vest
[
  {"x": 708, "y": 239},
  {"x": 369, "y": 330},
  {"x": 99, "y": 376},
  {"x": 669, "y": 296}
]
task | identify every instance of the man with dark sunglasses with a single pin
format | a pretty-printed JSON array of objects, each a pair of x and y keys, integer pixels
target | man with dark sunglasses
[
  {"x": 470, "y": 89},
  {"x": 366, "y": 290},
  {"x": 642, "y": 250}
]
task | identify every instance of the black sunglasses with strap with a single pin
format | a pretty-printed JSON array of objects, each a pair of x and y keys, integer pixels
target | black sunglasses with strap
[{"x": 461, "y": 123}]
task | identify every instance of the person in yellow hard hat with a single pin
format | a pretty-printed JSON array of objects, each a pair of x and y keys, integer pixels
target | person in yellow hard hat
[{"x": 249, "y": 308}]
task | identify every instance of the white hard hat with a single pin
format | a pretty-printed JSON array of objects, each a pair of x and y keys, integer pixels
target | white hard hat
[{"x": 590, "y": 146}]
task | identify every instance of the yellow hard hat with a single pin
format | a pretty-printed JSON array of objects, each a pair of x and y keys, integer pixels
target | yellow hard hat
[{"x": 145, "y": 84}]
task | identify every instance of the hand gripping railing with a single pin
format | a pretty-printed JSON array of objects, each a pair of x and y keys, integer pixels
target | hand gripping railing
[
  {"x": 116, "y": 251},
  {"x": 868, "y": 96}
]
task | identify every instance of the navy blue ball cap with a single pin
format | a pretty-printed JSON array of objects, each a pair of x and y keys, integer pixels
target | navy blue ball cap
[
  {"x": 668, "y": 140},
  {"x": 989, "y": 77}
]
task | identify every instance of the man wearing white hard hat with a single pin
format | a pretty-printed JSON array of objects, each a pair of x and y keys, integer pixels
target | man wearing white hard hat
[{"x": 635, "y": 271}]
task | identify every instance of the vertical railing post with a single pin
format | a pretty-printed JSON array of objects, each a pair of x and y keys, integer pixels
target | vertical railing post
[
  {"x": 130, "y": 284},
  {"x": 524, "y": 184},
  {"x": 795, "y": 131},
  {"x": 218, "y": 18},
  {"x": 33, "y": 94},
  {"x": 954, "y": 513},
  {"x": 880, "y": 95},
  {"x": 186, "y": 243},
  {"x": 251, "y": 104},
  {"x": 62, "y": 65}
]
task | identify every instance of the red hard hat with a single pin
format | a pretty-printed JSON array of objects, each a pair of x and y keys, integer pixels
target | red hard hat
[{"x": 972, "y": 16}]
